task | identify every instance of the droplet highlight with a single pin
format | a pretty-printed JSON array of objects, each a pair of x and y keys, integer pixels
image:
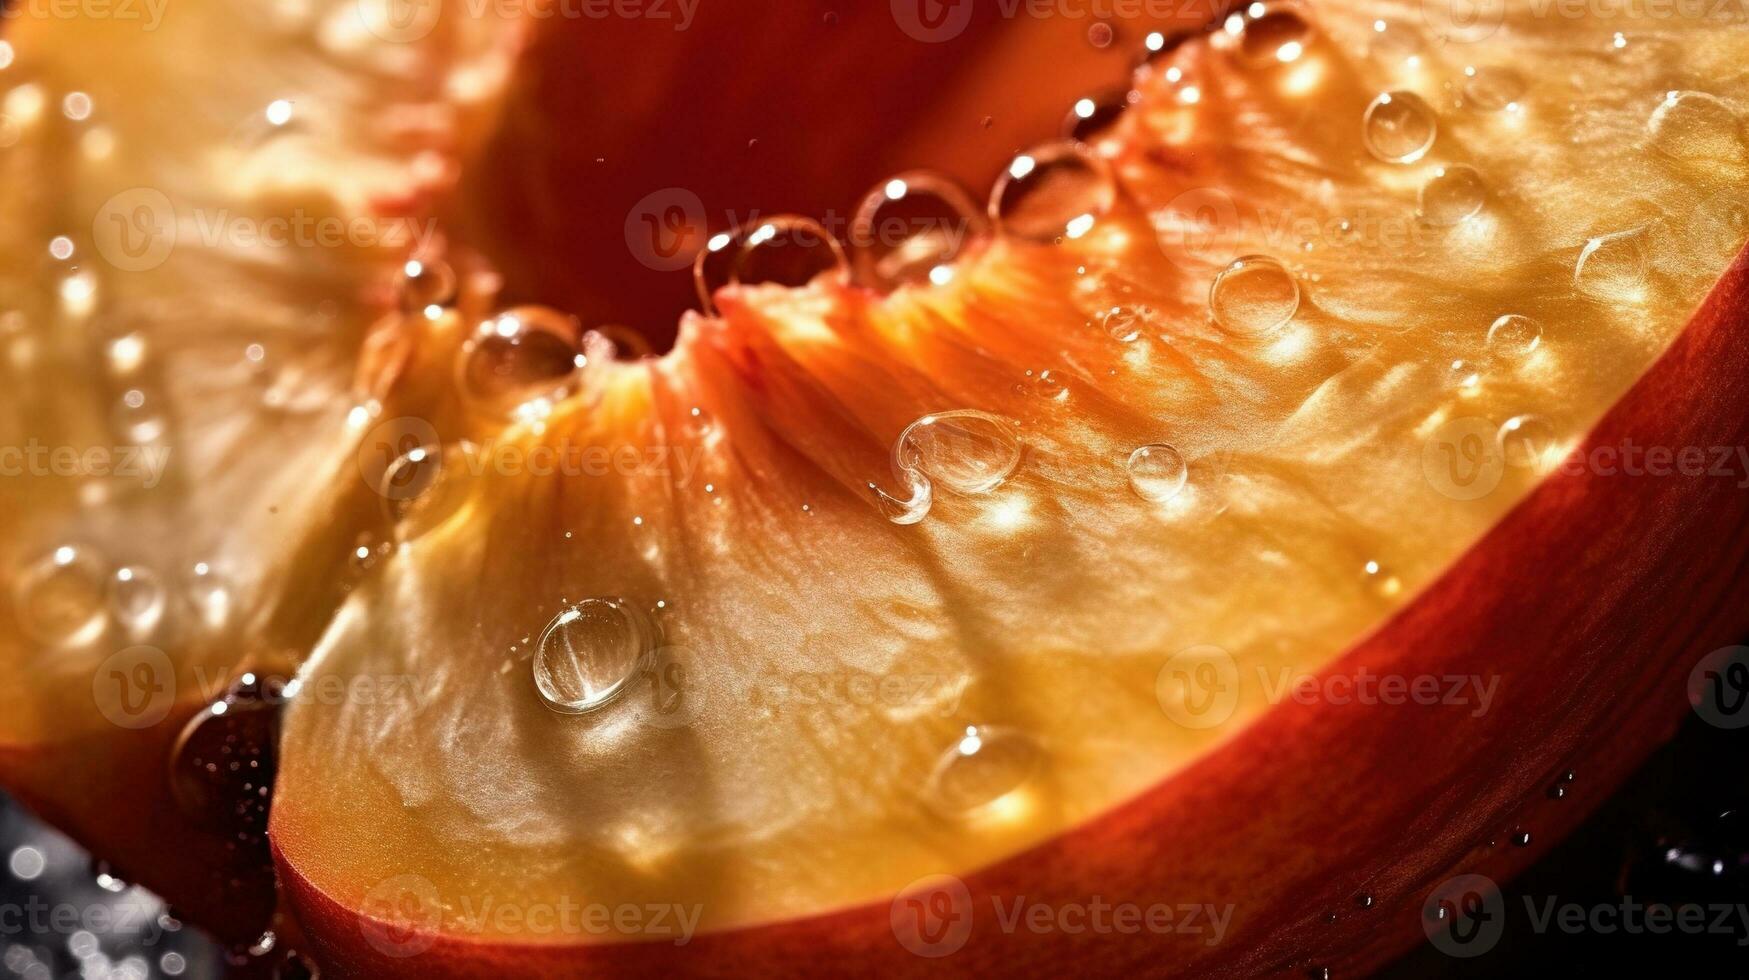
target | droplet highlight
[
  {"x": 985, "y": 765},
  {"x": 1399, "y": 127}
]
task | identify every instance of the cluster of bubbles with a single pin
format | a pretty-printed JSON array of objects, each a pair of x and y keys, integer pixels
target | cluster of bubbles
[{"x": 73, "y": 596}]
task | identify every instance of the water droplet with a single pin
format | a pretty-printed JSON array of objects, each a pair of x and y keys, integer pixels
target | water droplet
[
  {"x": 522, "y": 362},
  {"x": 1124, "y": 323},
  {"x": 426, "y": 282},
  {"x": 1528, "y": 441},
  {"x": 1253, "y": 296},
  {"x": 209, "y": 593},
  {"x": 1057, "y": 191},
  {"x": 1513, "y": 337},
  {"x": 424, "y": 487},
  {"x": 984, "y": 765},
  {"x": 1463, "y": 375},
  {"x": 60, "y": 597},
  {"x": 588, "y": 654},
  {"x": 1613, "y": 267},
  {"x": 1100, "y": 34},
  {"x": 789, "y": 250},
  {"x": 1046, "y": 384},
  {"x": 1364, "y": 900},
  {"x": 1490, "y": 89},
  {"x": 1557, "y": 791},
  {"x": 1274, "y": 32},
  {"x": 966, "y": 451},
  {"x": 1157, "y": 472},
  {"x": 1697, "y": 126},
  {"x": 137, "y": 599},
  {"x": 1521, "y": 838},
  {"x": 1399, "y": 127},
  {"x": 1094, "y": 116},
  {"x": 1381, "y": 579},
  {"x": 909, "y": 509},
  {"x": 911, "y": 226},
  {"x": 1452, "y": 194}
]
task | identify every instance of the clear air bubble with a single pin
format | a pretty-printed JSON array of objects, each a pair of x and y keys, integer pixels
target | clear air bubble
[
  {"x": 426, "y": 282},
  {"x": 1696, "y": 126},
  {"x": 1124, "y": 323},
  {"x": 1491, "y": 89},
  {"x": 911, "y": 229},
  {"x": 1093, "y": 116},
  {"x": 1452, "y": 194},
  {"x": 1054, "y": 192},
  {"x": 1157, "y": 472},
  {"x": 1253, "y": 296},
  {"x": 966, "y": 451},
  {"x": 588, "y": 654},
  {"x": 789, "y": 250},
  {"x": 1513, "y": 337},
  {"x": 1613, "y": 267},
  {"x": 60, "y": 598},
  {"x": 137, "y": 599},
  {"x": 984, "y": 765},
  {"x": 1272, "y": 33},
  {"x": 1399, "y": 127},
  {"x": 522, "y": 362},
  {"x": 1528, "y": 442}
]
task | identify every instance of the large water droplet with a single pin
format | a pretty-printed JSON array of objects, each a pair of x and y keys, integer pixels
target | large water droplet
[
  {"x": 984, "y": 765},
  {"x": 1514, "y": 337},
  {"x": 588, "y": 654},
  {"x": 60, "y": 597},
  {"x": 1253, "y": 296},
  {"x": 522, "y": 362},
  {"x": 966, "y": 451},
  {"x": 1697, "y": 126},
  {"x": 789, "y": 250},
  {"x": 1274, "y": 32},
  {"x": 1399, "y": 127},
  {"x": 137, "y": 599},
  {"x": 1613, "y": 267},
  {"x": 1452, "y": 194},
  {"x": 911, "y": 228},
  {"x": 1491, "y": 89},
  {"x": 1157, "y": 472},
  {"x": 1054, "y": 192}
]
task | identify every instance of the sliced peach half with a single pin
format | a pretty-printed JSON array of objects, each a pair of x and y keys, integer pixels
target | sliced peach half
[{"x": 1227, "y": 524}]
